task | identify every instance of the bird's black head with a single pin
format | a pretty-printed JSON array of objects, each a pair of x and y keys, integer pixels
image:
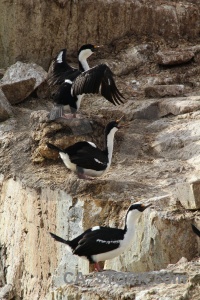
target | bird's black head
[
  {"x": 114, "y": 124},
  {"x": 110, "y": 126},
  {"x": 133, "y": 214},
  {"x": 89, "y": 47},
  {"x": 138, "y": 206}
]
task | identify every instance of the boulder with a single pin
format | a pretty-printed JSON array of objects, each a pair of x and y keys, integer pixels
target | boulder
[
  {"x": 5, "y": 107},
  {"x": 20, "y": 80},
  {"x": 175, "y": 281},
  {"x": 188, "y": 194},
  {"x": 17, "y": 91},
  {"x": 173, "y": 57},
  {"x": 179, "y": 106},
  {"x": 2, "y": 72},
  {"x": 130, "y": 59},
  {"x": 159, "y": 91}
]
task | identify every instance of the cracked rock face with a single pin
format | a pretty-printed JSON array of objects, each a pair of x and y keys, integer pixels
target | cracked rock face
[
  {"x": 72, "y": 23},
  {"x": 156, "y": 159},
  {"x": 178, "y": 281},
  {"x": 159, "y": 91}
]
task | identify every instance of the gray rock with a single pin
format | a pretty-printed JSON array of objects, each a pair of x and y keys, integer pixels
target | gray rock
[
  {"x": 158, "y": 91},
  {"x": 16, "y": 92},
  {"x": 188, "y": 194},
  {"x": 174, "y": 282},
  {"x": 131, "y": 59},
  {"x": 62, "y": 24},
  {"x": 168, "y": 144},
  {"x": 173, "y": 57},
  {"x": 21, "y": 79},
  {"x": 2, "y": 72},
  {"x": 77, "y": 126},
  {"x": 6, "y": 292},
  {"x": 43, "y": 90},
  {"x": 5, "y": 107},
  {"x": 179, "y": 106},
  {"x": 148, "y": 111}
]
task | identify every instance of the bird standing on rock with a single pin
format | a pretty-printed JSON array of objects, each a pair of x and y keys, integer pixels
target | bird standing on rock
[
  {"x": 85, "y": 158},
  {"x": 74, "y": 83},
  {"x": 102, "y": 243}
]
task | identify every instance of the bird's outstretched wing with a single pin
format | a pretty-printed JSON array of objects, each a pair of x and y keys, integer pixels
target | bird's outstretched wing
[
  {"x": 59, "y": 69},
  {"x": 99, "y": 241},
  {"x": 197, "y": 231},
  {"x": 96, "y": 80}
]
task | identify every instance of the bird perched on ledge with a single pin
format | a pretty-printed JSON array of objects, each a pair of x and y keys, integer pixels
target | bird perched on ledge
[
  {"x": 85, "y": 158},
  {"x": 102, "y": 243},
  {"x": 74, "y": 83}
]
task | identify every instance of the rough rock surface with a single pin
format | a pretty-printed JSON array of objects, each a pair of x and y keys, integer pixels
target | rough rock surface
[
  {"x": 5, "y": 107},
  {"x": 158, "y": 91},
  {"x": 180, "y": 281},
  {"x": 152, "y": 157},
  {"x": 189, "y": 194},
  {"x": 177, "y": 106},
  {"x": 16, "y": 92},
  {"x": 174, "y": 57},
  {"x": 48, "y": 197},
  {"x": 70, "y": 24}
]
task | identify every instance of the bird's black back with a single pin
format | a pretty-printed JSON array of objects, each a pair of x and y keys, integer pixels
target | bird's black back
[
  {"x": 62, "y": 95},
  {"x": 99, "y": 241},
  {"x": 74, "y": 243},
  {"x": 86, "y": 156}
]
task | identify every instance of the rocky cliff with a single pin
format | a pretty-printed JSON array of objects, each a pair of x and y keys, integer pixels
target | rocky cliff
[
  {"x": 153, "y": 48},
  {"x": 36, "y": 30}
]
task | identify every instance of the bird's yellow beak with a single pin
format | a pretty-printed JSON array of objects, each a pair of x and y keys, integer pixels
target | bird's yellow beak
[
  {"x": 98, "y": 46},
  {"x": 145, "y": 206},
  {"x": 121, "y": 125}
]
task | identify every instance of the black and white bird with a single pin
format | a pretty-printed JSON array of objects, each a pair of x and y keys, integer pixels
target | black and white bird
[
  {"x": 102, "y": 243},
  {"x": 85, "y": 158},
  {"x": 74, "y": 83},
  {"x": 196, "y": 230}
]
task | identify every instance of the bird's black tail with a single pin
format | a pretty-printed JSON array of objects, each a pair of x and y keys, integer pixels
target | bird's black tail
[
  {"x": 59, "y": 239},
  {"x": 197, "y": 231},
  {"x": 53, "y": 147}
]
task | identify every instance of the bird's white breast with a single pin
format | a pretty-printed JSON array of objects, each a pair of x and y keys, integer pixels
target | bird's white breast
[
  {"x": 67, "y": 162},
  {"x": 93, "y": 173},
  {"x": 123, "y": 245},
  {"x": 78, "y": 102},
  {"x": 108, "y": 255},
  {"x": 72, "y": 166}
]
